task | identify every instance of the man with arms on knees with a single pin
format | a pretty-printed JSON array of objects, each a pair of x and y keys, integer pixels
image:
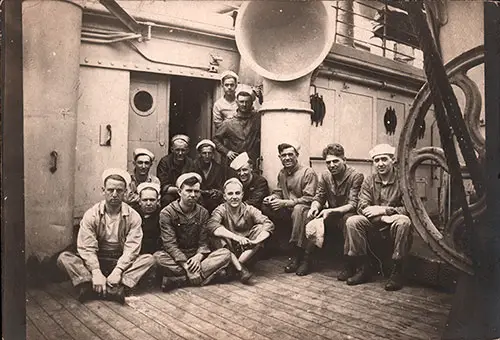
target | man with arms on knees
[
  {"x": 339, "y": 185},
  {"x": 170, "y": 167},
  {"x": 242, "y": 132},
  {"x": 212, "y": 175},
  {"x": 290, "y": 204},
  {"x": 380, "y": 207},
  {"x": 242, "y": 227},
  {"x": 185, "y": 257},
  {"x": 143, "y": 160},
  {"x": 149, "y": 209},
  {"x": 109, "y": 241},
  {"x": 255, "y": 187}
]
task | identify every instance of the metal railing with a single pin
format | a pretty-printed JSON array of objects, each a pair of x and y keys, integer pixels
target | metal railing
[{"x": 378, "y": 28}]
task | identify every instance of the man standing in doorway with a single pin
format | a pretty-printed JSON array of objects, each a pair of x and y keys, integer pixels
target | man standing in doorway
[
  {"x": 380, "y": 207},
  {"x": 226, "y": 106},
  {"x": 108, "y": 245},
  {"x": 143, "y": 160},
  {"x": 290, "y": 204},
  {"x": 170, "y": 167},
  {"x": 338, "y": 186},
  {"x": 242, "y": 132}
]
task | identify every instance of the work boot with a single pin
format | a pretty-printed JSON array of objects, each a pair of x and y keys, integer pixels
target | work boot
[
  {"x": 395, "y": 281},
  {"x": 85, "y": 292},
  {"x": 294, "y": 262},
  {"x": 305, "y": 265},
  {"x": 349, "y": 269},
  {"x": 363, "y": 274},
  {"x": 167, "y": 285},
  {"x": 116, "y": 294},
  {"x": 245, "y": 275}
]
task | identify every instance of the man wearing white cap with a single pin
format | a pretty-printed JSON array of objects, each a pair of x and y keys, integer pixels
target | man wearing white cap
[
  {"x": 290, "y": 204},
  {"x": 241, "y": 227},
  {"x": 185, "y": 257},
  {"x": 380, "y": 207},
  {"x": 108, "y": 244},
  {"x": 149, "y": 209},
  {"x": 338, "y": 186},
  {"x": 255, "y": 187},
  {"x": 143, "y": 160},
  {"x": 242, "y": 132},
  {"x": 226, "y": 106},
  {"x": 171, "y": 166},
  {"x": 212, "y": 175}
]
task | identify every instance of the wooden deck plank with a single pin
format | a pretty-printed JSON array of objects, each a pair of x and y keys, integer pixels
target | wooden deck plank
[
  {"x": 286, "y": 314},
  {"x": 369, "y": 290},
  {"x": 44, "y": 323},
  {"x": 188, "y": 302},
  {"x": 354, "y": 304},
  {"x": 32, "y": 333},
  {"x": 187, "y": 318},
  {"x": 237, "y": 315},
  {"x": 113, "y": 319},
  {"x": 85, "y": 315},
  {"x": 257, "y": 313},
  {"x": 63, "y": 317}
]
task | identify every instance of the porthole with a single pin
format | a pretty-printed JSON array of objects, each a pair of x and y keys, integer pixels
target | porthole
[{"x": 142, "y": 102}]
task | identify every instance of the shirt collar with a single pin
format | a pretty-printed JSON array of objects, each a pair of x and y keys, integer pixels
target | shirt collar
[
  {"x": 292, "y": 170},
  {"x": 345, "y": 175},
  {"x": 125, "y": 210},
  {"x": 390, "y": 180}
]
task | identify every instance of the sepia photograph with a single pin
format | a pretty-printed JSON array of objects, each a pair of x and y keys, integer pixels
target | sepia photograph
[{"x": 278, "y": 169}]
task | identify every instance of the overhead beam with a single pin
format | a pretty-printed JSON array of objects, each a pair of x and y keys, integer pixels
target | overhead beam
[{"x": 114, "y": 8}]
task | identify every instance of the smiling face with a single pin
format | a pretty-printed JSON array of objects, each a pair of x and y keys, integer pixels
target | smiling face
[
  {"x": 245, "y": 173},
  {"x": 384, "y": 164},
  {"x": 189, "y": 194},
  {"x": 289, "y": 158},
  {"x": 336, "y": 165},
  {"x": 148, "y": 201},
  {"x": 233, "y": 194},
  {"x": 142, "y": 165},
  {"x": 114, "y": 192}
]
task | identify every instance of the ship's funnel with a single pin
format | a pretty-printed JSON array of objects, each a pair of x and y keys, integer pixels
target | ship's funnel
[{"x": 284, "y": 41}]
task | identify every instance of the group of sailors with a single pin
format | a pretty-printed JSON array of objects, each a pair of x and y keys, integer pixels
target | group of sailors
[{"x": 199, "y": 220}]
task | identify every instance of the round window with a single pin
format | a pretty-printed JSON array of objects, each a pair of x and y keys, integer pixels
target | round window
[{"x": 143, "y": 103}]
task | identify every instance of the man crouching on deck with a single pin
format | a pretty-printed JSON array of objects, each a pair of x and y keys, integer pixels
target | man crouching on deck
[
  {"x": 109, "y": 242},
  {"x": 185, "y": 257},
  {"x": 243, "y": 227}
]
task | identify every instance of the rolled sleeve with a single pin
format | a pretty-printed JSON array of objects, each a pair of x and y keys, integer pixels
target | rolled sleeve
[
  {"x": 168, "y": 237},
  {"x": 133, "y": 242},
  {"x": 321, "y": 191},
  {"x": 353, "y": 198},
  {"x": 310, "y": 183},
  {"x": 87, "y": 244},
  {"x": 215, "y": 221},
  {"x": 366, "y": 194},
  {"x": 260, "y": 218}
]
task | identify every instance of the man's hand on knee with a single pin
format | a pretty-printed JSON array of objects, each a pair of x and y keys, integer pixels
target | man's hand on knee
[
  {"x": 98, "y": 282},
  {"x": 115, "y": 277}
]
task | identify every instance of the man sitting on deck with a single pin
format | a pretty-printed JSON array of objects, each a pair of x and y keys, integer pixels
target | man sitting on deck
[
  {"x": 241, "y": 227},
  {"x": 108, "y": 245},
  {"x": 338, "y": 186},
  {"x": 255, "y": 186},
  {"x": 143, "y": 160},
  {"x": 185, "y": 257},
  {"x": 380, "y": 207},
  {"x": 212, "y": 175},
  {"x": 171, "y": 166},
  {"x": 149, "y": 209},
  {"x": 291, "y": 203}
]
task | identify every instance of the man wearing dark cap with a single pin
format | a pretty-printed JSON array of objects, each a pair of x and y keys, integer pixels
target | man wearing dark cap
[
  {"x": 290, "y": 204},
  {"x": 255, "y": 186},
  {"x": 108, "y": 244},
  {"x": 338, "y": 186},
  {"x": 380, "y": 208},
  {"x": 170, "y": 167},
  {"x": 242, "y": 132},
  {"x": 143, "y": 160},
  {"x": 186, "y": 257},
  {"x": 212, "y": 175}
]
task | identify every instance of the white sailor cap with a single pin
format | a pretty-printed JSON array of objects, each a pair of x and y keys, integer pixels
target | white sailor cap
[
  {"x": 116, "y": 171},
  {"x": 245, "y": 89},
  {"x": 204, "y": 142},
  {"x": 382, "y": 149},
  {"x": 183, "y": 138},
  {"x": 148, "y": 185},
  {"x": 239, "y": 161},
  {"x": 182, "y": 178},
  {"x": 232, "y": 180},
  {"x": 142, "y": 151},
  {"x": 228, "y": 74}
]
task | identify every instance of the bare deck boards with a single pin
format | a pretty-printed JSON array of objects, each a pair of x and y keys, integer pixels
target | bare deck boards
[{"x": 278, "y": 306}]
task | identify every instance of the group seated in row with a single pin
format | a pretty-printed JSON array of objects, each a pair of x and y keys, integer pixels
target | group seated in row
[{"x": 188, "y": 244}]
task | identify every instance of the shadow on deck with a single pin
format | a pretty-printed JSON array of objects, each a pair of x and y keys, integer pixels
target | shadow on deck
[{"x": 278, "y": 306}]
